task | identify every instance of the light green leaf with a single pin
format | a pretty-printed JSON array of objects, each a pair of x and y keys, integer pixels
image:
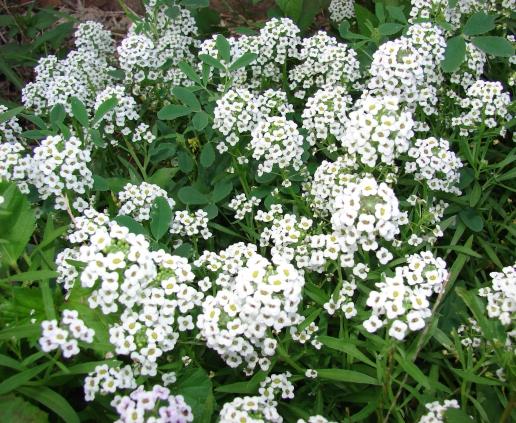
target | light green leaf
[
  {"x": 350, "y": 376},
  {"x": 173, "y": 111},
  {"x": 454, "y": 55},
  {"x": 191, "y": 196},
  {"x": 161, "y": 216},
  {"x": 479, "y": 23},
  {"x": 207, "y": 155},
  {"x": 79, "y": 111},
  {"x": 495, "y": 46},
  {"x": 187, "y": 98}
]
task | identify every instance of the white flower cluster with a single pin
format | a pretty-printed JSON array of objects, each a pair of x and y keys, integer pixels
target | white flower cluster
[
  {"x": 185, "y": 223},
  {"x": 254, "y": 298},
  {"x": 325, "y": 63},
  {"x": 125, "y": 110},
  {"x": 60, "y": 165},
  {"x": 325, "y": 114},
  {"x": 275, "y": 43},
  {"x": 163, "y": 40},
  {"x": 315, "y": 419},
  {"x": 82, "y": 74},
  {"x": 143, "y": 133},
  {"x": 343, "y": 300},
  {"x": 402, "y": 300},
  {"x": 430, "y": 215},
  {"x": 10, "y": 129},
  {"x": 66, "y": 334},
  {"x": 436, "y": 411},
  {"x": 276, "y": 141},
  {"x": 260, "y": 408},
  {"x": 436, "y": 164},
  {"x": 14, "y": 165},
  {"x": 242, "y": 206},
  {"x": 277, "y": 385},
  {"x": 106, "y": 380},
  {"x": 470, "y": 333},
  {"x": 328, "y": 181},
  {"x": 471, "y": 69},
  {"x": 341, "y": 9},
  {"x": 255, "y": 409},
  {"x": 149, "y": 288},
  {"x": 366, "y": 212},
  {"x": 453, "y": 15},
  {"x": 409, "y": 67},
  {"x": 501, "y": 297},
  {"x": 486, "y": 103},
  {"x": 378, "y": 130},
  {"x": 239, "y": 111},
  {"x": 137, "y": 200},
  {"x": 154, "y": 406}
]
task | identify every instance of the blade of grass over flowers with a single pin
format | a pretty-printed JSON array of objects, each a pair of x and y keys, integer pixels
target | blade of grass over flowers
[{"x": 350, "y": 349}]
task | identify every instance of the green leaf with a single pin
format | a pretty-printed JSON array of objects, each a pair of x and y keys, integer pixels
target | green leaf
[
  {"x": 10, "y": 74},
  {"x": 291, "y": 8},
  {"x": 52, "y": 400},
  {"x": 173, "y": 111},
  {"x": 189, "y": 71},
  {"x": 9, "y": 114},
  {"x": 34, "y": 275},
  {"x": 350, "y": 376},
  {"x": 131, "y": 224},
  {"x": 17, "y": 223},
  {"x": 185, "y": 161},
  {"x": 195, "y": 4},
  {"x": 100, "y": 183},
  {"x": 13, "y": 382},
  {"x": 161, "y": 216},
  {"x": 495, "y": 46},
  {"x": 57, "y": 114},
  {"x": 20, "y": 332},
  {"x": 162, "y": 151},
  {"x": 187, "y": 98},
  {"x": 454, "y": 55},
  {"x": 248, "y": 387},
  {"x": 311, "y": 8},
  {"x": 6, "y": 361},
  {"x": 79, "y": 111},
  {"x": 471, "y": 377},
  {"x": 207, "y": 155},
  {"x": 396, "y": 13},
  {"x": 163, "y": 176},
  {"x": 200, "y": 120},
  {"x": 246, "y": 59},
  {"x": 456, "y": 415},
  {"x": 14, "y": 409},
  {"x": 209, "y": 60},
  {"x": 479, "y": 23},
  {"x": 172, "y": 12},
  {"x": 224, "y": 48},
  {"x": 345, "y": 347},
  {"x": 104, "y": 108},
  {"x": 222, "y": 190},
  {"x": 460, "y": 249},
  {"x": 412, "y": 370},
  {"x": 390, "y": 28},
  {"x": 472, "y": 219},
  {"x": 195, "y": 386},
  {"x": 190, "y": 195}
]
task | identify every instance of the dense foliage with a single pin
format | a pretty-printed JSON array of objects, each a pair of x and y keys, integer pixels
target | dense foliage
[{"x": 280, "y": 225}]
